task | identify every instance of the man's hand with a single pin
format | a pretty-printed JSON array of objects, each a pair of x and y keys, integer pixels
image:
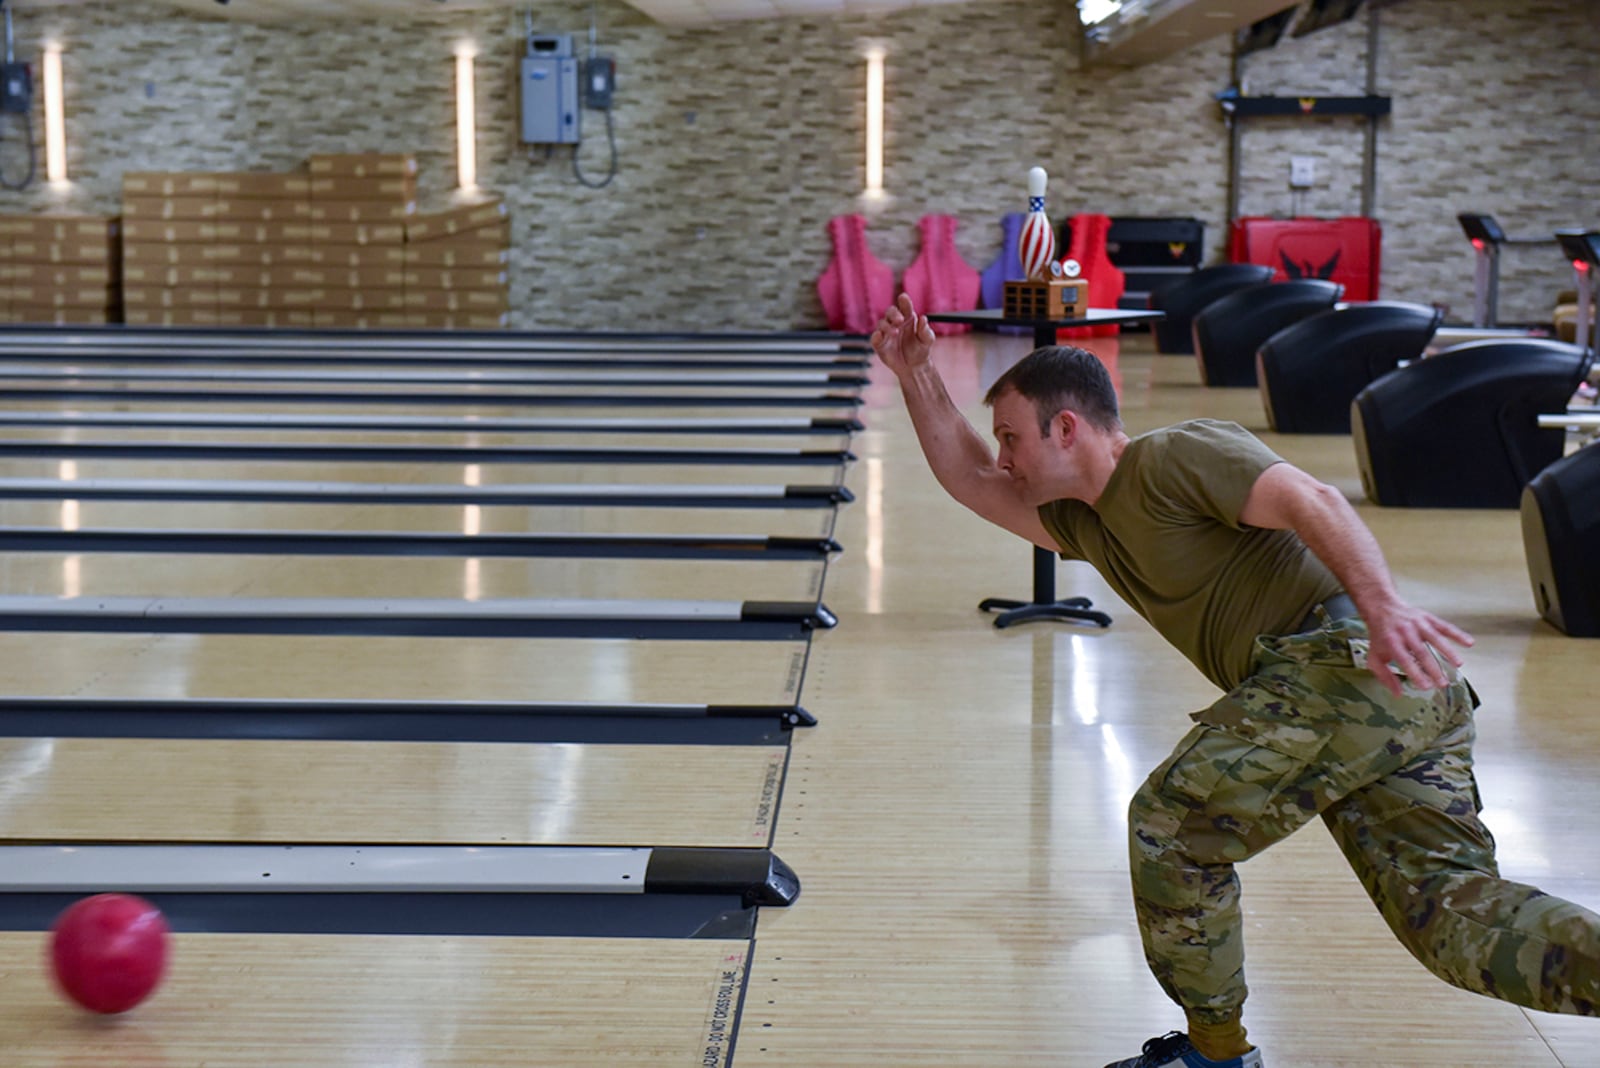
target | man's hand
[
  {"x": 903, "y": 339},
  {"x": 1407, "y": 638}
]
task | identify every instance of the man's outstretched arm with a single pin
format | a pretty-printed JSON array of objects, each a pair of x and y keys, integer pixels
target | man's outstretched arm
[
  {"x": 956, "y": 452},
  {"x": 1286, "y": 498}
]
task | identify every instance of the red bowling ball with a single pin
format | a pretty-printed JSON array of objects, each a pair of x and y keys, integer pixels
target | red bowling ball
[{"x": 109, "y": 951}]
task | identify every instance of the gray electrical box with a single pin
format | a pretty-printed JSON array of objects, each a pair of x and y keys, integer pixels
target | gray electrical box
[{"x": 551, "y": 105}]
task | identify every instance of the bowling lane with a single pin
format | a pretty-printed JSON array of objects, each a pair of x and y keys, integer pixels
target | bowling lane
[
  {"x": 331, "y": 342},
  {"x": 288, "y": 667},
  {"x": 339, "y": 374},
  {"x": 247, "y": 516},
  {"x": 448, "y": 1002},
  {"x": 596, "y": 407},
  {"x": 641, "y": 392},
  {"x": 51, "y": 574},
  {"x": 468, "y": 793},
  {"x": 615, "y": 438},
  {"x": 475, "y": 474}
]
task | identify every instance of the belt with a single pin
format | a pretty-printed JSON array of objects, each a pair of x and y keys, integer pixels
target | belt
[{"x": 1339, "y": 606}]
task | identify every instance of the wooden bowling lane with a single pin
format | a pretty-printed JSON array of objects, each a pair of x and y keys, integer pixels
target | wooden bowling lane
[
  {"x": 112, "y": 574},
  {"x": 340, "y": 375},
  {"x": 322, "y": 342},
  {"x": 841, "y": 406},
  {"x": 254, "y": 791},
  {"x": 320, "y": 1001},
  {"x": 616, "y": 437},
  {"x": 244, "y": 516},
  {"x": 469, "y": 474},
  {"x": 401, "y": 669},
  {"x": 434, "y": 398}
]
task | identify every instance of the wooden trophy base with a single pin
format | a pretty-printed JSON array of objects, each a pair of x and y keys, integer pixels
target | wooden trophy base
[{"x": 1057, "y": 298}]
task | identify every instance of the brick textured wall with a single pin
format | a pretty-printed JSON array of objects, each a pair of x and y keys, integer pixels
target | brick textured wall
[{"x": 738, "y": 143}]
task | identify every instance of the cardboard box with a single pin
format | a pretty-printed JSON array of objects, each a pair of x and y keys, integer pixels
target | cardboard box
[
  {"x": 263, "y": 186},
  {"x": 262, "y": 210},
  {"x": 265, "y": 317},
  {"x": 146, "y": 209},
  {"x": 358, "y": 257},
  {"x": 248, "y": 297},
  {"x": 453, "y": 278},
  {"x": 364, "y": 165},
  {"x": 61, "y": 316},
  {"x": 340, "y": 187},
  {"x": 205, "y": 274},
  {"x": 362, "y": 211},
  {"x": 41, "y": 296},
  {"x": 302, "y": 275},
  {"x": 172, "y": 317},
  {"x": 168, "y": 184},
  {"x": 61, "y": 229},
  {"x": 335, "y": 299},
  {"x": 458, "y": 321},
  {"x": 58, "y": 274},
  {"x": 466, "y": 253},
  {"x": 161, "y": 254},
  {"x": 27, "y": 251},
  {"x": 359, "y": 233},
  {"x": 487, "y": 301},
  {"x": 66, "y": 276},
  {"x": 146, "y": 297},
  {"x": 443, "y": 224},
  {"x": 182, "y": 232},
  {"x": 344, "y": 319},
  {"x": 104, "y": 252}
]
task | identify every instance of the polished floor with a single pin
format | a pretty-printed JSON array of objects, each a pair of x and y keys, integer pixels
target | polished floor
[
  {"x": 956, "y": 818},
  {"x": 960, "y": 812}
]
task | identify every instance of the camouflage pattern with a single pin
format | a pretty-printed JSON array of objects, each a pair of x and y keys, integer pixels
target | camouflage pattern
[{"x": 1312, "y": 732}]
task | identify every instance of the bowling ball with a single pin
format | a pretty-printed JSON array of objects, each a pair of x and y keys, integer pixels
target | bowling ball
[{"x": 109, "y": 951}]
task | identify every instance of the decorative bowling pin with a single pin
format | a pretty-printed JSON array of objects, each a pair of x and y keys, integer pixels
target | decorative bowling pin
[{"x": 1036, "y": 246}]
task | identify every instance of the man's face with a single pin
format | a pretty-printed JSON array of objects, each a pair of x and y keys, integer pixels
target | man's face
[{"x": 1029, "y": 457}]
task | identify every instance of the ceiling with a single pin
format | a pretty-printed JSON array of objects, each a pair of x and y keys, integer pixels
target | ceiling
[
  {"x": 1144, "y": 31},
  {"x": 1147, "y": 30}
]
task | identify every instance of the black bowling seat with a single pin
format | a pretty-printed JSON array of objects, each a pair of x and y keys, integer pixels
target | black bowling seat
[
  {"x": 1460, "y": 429},
  {"x": 1228, "y": 332},
  {"x": 1311, "y": 371},
  {"x": 1560, "y": 529},
  {"x": 1183, "y": 300}
]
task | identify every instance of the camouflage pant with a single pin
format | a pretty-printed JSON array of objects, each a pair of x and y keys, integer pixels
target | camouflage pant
[{"x": 1313, "y": 733}]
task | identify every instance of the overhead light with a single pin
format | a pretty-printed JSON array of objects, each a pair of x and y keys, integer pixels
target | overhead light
[
  {"x": 1093, "y": 11},
  {"x": 466, "y": 122},
  {"x": 55, "y": 123},
  {"x": 875, "y": 122}
]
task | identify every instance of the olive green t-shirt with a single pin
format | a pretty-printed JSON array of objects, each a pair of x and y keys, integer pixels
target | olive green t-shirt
[{"x": 1166, "y": 535}]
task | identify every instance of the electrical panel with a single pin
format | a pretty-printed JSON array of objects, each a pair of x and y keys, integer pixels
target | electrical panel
[
  {"x": 16, "y": 88},
  {"x": 550, "y": 102},
  {"x": 599, "y": 81}
]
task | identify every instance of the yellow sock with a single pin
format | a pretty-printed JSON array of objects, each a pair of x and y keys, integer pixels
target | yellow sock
[{"x": 1221, "y": 1041}]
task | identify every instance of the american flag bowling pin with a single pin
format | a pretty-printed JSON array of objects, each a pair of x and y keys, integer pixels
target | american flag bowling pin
[{"x": 1036, "y": 247}]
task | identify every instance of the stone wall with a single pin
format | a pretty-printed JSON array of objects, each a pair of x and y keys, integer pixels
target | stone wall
[{"x": 737, "y": 143}]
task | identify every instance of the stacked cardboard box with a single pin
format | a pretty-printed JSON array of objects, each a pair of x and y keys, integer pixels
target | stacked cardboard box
[
  {"x": 339, "y": 244},
  {"x": 59, "y": 269},
  {"x": 456, "y": 268},
  {"x": 359, "y": 206},
  {"x": 205, "y": 249}
]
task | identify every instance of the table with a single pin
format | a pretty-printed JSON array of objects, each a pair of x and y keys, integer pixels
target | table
[{"x": 1044, "y": 604}]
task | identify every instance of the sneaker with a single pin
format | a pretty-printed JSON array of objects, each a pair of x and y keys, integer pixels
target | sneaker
[{"x": 1172, "y": 1050}]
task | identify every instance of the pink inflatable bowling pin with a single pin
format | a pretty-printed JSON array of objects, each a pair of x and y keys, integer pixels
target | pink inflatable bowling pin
[{"x": 1036, "y": 246}]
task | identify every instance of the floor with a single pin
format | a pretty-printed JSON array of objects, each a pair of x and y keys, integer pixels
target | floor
[{"x": 956, "y": 817}]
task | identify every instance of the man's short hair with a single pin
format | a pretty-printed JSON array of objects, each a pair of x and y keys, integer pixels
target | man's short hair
[{"x": 1061, "y": 377}]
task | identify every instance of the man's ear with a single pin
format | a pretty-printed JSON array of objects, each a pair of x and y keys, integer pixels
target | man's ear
[{"x": 1064, "y": 427}]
